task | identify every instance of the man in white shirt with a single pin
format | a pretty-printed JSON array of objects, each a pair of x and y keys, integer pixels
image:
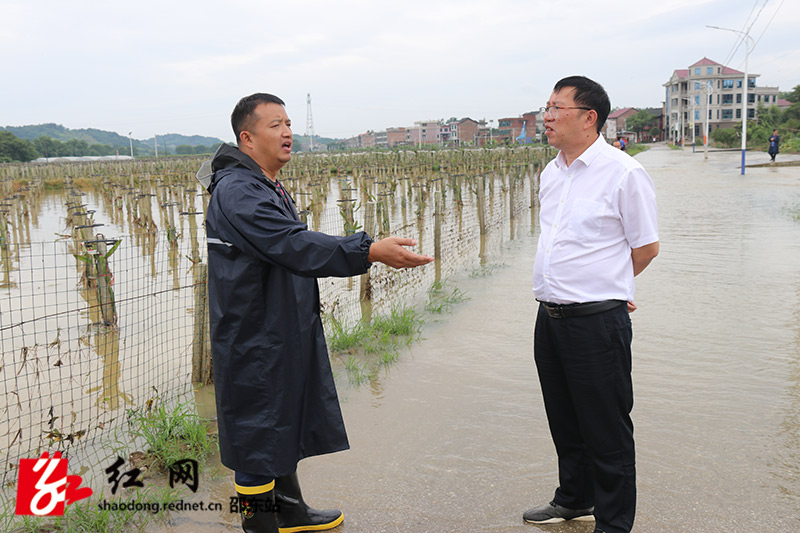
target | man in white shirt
[{"x": 599, "y": 229}]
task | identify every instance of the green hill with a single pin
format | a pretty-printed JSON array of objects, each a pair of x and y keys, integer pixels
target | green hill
[{"x": 95, "y": 136}]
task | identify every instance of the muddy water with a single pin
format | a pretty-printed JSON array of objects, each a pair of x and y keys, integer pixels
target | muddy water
[{"x": 453, "y": 437}]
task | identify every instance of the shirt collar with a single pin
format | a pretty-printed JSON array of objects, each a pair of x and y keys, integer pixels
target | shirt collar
[{"x": 587, "y": 156}]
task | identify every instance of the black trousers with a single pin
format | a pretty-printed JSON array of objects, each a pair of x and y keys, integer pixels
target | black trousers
[{"x": 584, "y": 366}]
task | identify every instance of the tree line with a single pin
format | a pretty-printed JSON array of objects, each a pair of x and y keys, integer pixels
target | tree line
[{"x": 14, "y": 149}]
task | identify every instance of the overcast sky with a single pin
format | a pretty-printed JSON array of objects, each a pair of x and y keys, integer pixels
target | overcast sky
[{"x": 179, "y": 67}]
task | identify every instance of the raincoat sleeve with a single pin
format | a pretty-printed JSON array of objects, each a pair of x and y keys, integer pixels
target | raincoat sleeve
[{"x": 255, "y": 220}]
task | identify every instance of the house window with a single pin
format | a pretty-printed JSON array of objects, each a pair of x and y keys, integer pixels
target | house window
[
  {"x": 751, "y": 113},
  {"x": 739, "y": 99},
  {"x": 709, "y": 114},
  {"x": 751, "y": 82},
  {"x": 739, "y": 114},
  {"x": 738, "y": 84},
  {"x": 717, "y": 114},
  {"x": 697, "y": 99},
  {"x": 727, "y": 114},
  {"x": 751, "y": 98},
  {"x": 697, "y": 114},
  {"x": 727, "y": 98},
  {"x": 710, "y": 70},
  {"x": 697, "y": 86},
  {"x": 727, "y": 84}
]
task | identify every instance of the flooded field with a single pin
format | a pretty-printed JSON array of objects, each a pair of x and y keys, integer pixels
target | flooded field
[{"x": 453, "y": 436}]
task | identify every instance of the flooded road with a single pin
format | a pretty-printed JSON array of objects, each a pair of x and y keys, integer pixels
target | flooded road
[{"x": 453, "y": 437}]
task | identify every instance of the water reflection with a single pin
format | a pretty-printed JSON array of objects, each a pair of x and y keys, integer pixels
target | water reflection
[{"x": 105, "y": 341}]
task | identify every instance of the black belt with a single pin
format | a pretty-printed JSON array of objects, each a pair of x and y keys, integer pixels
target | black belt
[{"x": 575, "y": 310}]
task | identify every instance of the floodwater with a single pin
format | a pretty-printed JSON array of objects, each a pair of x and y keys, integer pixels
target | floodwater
[{"x": 453, "y": 437}]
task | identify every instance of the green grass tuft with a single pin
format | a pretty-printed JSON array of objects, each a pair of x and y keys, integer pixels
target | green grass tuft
[{"x": 172, "y": 435}]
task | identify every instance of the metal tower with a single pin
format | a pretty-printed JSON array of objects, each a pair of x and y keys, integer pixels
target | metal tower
[{"x": 309, "y": 124}]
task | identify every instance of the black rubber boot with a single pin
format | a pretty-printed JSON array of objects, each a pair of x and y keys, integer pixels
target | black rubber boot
[
  {"x": 258, "y": 512},
  {"x": 294, "y": 515}
]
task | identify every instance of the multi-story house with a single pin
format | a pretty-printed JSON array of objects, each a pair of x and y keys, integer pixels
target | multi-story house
[
  {"x": 381, "y": 139},
  {"x": 395, "y": 137},
  {"x": 366, "y": 140},
  {"x": 424, "y": 132},
  {"x": 709, "y": 91},
  {"x": 517, "y": 129},
  {"x": 463, "y": 132}
]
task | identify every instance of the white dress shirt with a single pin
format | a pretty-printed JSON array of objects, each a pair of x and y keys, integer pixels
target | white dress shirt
[{"x": 592, "y": 214}]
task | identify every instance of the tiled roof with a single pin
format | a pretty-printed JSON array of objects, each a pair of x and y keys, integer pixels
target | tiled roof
[
  {"x": 704, "y": 62},
  {"x": 619, "y": 112},
  {"x": 728, "y": 70}
]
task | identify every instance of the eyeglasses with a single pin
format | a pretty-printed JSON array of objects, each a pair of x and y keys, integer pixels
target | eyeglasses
[{"x": 552, "y": 110}]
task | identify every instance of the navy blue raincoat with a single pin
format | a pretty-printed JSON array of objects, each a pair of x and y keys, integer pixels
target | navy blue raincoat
[{"x": 276, "y": 399}]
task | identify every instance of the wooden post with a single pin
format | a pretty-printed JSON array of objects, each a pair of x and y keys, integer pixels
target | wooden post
[
  {"x": 365, "y": 290},
  {"x": 202, "y": 366}
]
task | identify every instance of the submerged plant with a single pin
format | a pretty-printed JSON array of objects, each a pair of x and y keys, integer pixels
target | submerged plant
[{"x": 440, "y": 300}]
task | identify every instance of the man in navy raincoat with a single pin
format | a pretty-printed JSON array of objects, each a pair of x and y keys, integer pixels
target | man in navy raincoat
[{"x": 276, "y": 399}]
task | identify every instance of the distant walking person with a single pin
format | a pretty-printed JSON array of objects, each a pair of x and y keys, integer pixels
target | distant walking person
[
  {"x": 599, "y": 229},
  {"x": 774, "y": 142},
  {"x": 276, "y": 399}
]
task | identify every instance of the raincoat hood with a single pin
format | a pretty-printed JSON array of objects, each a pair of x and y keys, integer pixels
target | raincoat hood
[{"x": 228, "y": 156}]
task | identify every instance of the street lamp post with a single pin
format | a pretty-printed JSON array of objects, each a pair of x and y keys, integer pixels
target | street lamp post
[
  {"x": 691, "y": 123},
  {"x": 705, "y": 132},
  {"x": 747, "y": 50},
  {"x": 131, "y": 141}
]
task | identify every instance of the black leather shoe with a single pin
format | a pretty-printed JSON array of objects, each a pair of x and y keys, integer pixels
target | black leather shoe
[
  {"x": 552, "y": 513},
  {"x": 294, "y": 515}
]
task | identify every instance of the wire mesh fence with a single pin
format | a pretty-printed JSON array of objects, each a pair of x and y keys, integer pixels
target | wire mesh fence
[{"x": 103, "y": 271}]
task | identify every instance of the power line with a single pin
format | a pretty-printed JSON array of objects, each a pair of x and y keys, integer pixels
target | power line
[
  {"x": 744, "y": 31},
  {"x": 768, "y": 23}
]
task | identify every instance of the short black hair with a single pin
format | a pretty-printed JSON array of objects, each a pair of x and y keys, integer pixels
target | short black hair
[
  {"x": 590, "y": 94},
  {"x": 245, "y": 108}
]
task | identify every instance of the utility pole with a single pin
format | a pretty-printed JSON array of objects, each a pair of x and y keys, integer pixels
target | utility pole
[
  {"x": 747, "y": 49},
  {"x": 309, "y": 123},
  {"x": 131, "y": 141}
]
